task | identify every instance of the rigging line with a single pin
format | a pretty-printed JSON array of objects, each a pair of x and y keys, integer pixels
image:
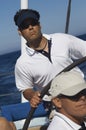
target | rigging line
[{"x": 68, "y": 17}]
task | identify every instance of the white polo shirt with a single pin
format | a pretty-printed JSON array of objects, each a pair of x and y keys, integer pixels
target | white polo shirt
[
  {"x": 61, "y": 122},
  {"x": 35, "y": 69}
]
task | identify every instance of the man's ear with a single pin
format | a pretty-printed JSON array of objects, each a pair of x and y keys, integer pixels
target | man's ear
[
  {"x": 19, "y": 32},
  {"x": 39, "y": 25},
  {"x": 57, "y": 102}
]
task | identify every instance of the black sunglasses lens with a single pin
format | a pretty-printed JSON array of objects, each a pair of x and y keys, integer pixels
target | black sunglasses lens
[
  {"x": 33, "y": 23},
  {"x": 27, "y": 23},
  {"x": 79, "y": 95},
  {"x": 76, "y": 97}
]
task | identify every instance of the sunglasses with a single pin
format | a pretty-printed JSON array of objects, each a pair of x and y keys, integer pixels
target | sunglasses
[
  {"x": 75, "y": 97},
  {"x": 26, "y": 23}
]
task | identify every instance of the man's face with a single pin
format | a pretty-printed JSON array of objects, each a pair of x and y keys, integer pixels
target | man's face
[
  {"x": 31, "y": 30},
  {"x": 73, "y": 109}
]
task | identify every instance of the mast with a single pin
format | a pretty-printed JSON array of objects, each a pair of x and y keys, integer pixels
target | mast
[
  {"x": 68, "y": 17},
  {"x": 24, "y": 5}
]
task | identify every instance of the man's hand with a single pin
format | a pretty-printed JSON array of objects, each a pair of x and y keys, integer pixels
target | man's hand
[
  {"x": 33, "y": 97},
  {"x": 35, "y": 100}
]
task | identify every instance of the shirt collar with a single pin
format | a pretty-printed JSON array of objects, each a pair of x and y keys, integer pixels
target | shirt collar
[
  {"x": 71, "y": 123},
  {"x": 31, "y": 51}
]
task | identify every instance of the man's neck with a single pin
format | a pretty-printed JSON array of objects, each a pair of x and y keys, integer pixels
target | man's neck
[{"x": 38, "y": 44}]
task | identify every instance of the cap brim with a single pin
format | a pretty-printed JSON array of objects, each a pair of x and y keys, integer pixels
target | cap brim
[
  {"x": 74, "y": 90},
  {"x": 26, "y": 15}
]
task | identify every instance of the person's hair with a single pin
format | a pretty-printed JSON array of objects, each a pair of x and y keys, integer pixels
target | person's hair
[{"x": 21, "y": 11}]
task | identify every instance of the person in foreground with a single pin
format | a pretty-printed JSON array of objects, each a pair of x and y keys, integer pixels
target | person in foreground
[
  {"x": 6, "y": 125},
  {"x": 45, "y": 55},
  {"x": 68, "y": 94}
]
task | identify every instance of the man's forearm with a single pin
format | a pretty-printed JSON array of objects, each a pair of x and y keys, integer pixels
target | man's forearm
[{"x": 28, "y": 94}]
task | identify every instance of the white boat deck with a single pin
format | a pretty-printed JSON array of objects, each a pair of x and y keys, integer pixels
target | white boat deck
[{"x": 35, "y": 124}]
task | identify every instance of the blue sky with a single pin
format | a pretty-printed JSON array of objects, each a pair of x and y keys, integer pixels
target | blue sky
[{"x": 53, "y": 19}]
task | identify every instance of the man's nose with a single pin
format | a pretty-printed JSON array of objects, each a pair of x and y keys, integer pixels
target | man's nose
[
  {"x": 83, "y": 97},
  {"x": 30, "y": 27}
]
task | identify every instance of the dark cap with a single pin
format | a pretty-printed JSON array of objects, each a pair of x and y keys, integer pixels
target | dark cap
[{"x": 26, "y": 15}]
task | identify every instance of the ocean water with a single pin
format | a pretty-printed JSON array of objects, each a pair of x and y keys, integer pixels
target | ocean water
[{"x": 8, "y": 91}]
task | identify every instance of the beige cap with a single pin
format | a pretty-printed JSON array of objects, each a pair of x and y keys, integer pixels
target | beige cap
[{"x": 67, "y": 83}]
